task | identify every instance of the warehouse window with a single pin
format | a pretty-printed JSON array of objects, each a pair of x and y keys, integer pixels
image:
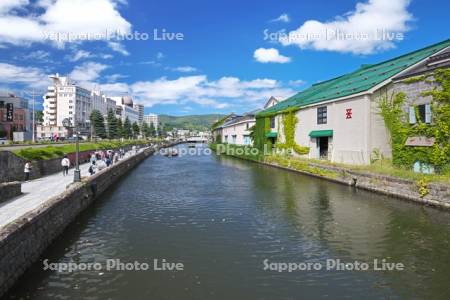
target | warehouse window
[
  {"x": 322, "y": 115},
  {"x": 272, "y": 122},
  {"x": 423, "y": 112}
]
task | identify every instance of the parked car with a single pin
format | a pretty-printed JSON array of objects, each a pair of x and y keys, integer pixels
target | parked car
[{"x": 3, "y": 141}]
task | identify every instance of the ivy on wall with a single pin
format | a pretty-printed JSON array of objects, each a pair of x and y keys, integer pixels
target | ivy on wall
[
  {"x": 289, "y": 123},
  {"x": 396, "y": 121},
  {"x": 261, "y": 128}
]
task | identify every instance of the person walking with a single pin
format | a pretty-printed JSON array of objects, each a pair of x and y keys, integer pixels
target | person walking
[
  {"x": 65, "y": 163},
  {"x": 115, "y": 157},
  {"x": 93, "y": 158},
  {"x": 27, "y": 170},
  {"x": 92, "y": 168}
]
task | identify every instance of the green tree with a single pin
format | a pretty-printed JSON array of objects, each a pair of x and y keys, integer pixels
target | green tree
[
  {"x": 127, "y": 130},
  {"x": 151, "y": 129},
  {"x": 112, "y": 125},
  {"x": 136, "y": 130},
  {"x": 119, "y": 130},
  {"x": 39, "y": 116},
  {"x": 98, "y": 123},
  {"x": 145, "y": 130}
]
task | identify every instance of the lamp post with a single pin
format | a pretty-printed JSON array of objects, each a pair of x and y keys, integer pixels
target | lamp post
[
  {"x": 68, "y": 125},
  {"x": 33, "y": 126}
]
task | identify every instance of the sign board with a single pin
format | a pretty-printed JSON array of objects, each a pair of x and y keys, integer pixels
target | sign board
[
  {"x": 348, "y": 113},
  {"x": 420, "y": 141},
  {"x": 9, "y": 112}
]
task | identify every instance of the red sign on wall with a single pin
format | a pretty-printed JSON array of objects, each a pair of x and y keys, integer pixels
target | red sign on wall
[{"x": 348, "y": 113}]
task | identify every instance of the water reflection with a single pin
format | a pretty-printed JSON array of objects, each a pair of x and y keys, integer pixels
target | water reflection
[{"x": 222, "y": 217}]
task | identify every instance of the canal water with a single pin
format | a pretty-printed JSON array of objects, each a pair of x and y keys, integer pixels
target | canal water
[{"x": 226, "y": 220}]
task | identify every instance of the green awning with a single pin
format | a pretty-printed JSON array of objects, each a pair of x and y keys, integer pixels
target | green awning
[
  {"x": 321, "y": 133},
  {"x": 271, "y": 134}
]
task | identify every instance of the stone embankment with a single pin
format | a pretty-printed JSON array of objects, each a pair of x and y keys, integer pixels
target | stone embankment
[
  {"x": 9, "y": 190},
  {"x": 421, "y": 191},
  {"x": 11, "y": 165},
  {"x": 24, "y": 240}
]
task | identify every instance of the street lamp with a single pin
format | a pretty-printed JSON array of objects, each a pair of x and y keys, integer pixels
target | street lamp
[
  {"x": 33, "y": 95},
  {"x": 68, "y": 125}
]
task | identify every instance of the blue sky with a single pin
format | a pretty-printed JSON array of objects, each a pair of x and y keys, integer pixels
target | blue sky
[{"x": 223, "y": 63}]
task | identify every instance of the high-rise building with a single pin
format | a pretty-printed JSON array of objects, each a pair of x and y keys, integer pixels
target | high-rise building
[
  {"x": 67, "y": 100},
  {"x": 140, "y": 109},
  {"x": 151, "y": 119}
]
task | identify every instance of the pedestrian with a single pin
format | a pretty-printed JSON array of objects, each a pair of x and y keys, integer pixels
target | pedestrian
[
  {"x": 100, "y": 164},
  {"x": 92, "y": 168},
  {"x": 65, "y": 163},
  {"x": 27, "y": 170},
  {"x": 115, "y": 157},
  {"x": 93, "y": 158},
  {"x": 108, "y": 161}
]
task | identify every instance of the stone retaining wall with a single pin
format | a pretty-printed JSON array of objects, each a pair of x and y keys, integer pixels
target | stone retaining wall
[
  {"x": 23, "y": 241},
  {"x": 437, "y": 195},
  {"x": 9, "y": 190},
  {"x": 11, "y": 165}
]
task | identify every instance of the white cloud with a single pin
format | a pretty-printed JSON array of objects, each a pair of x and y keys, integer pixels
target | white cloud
[
  {"x": 38, "y": 55},
  {"x": 297, "y": 82},
  {"x": 106, "y": 56},
  {"x": 184, "y": 69},
  {"x": 80, "y": 54},
  {"x": 27, "y": 76},
  {"x": 87, "y": 73},
  {"x": 118, "y": 47},
  {"x": 115, "y": 89},
  {"x": 222, "y": 93},
  {"x": 75, "y": 17},
  {"x": 282, "y": 18},
  {"x": 270, "y": 55},
  {"x": 363, "y": 25},
  {"x": 114, "y": 77},
  {"x": 8, "y": 5}
]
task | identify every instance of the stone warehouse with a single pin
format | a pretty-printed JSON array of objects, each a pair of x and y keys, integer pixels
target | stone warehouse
[{"x": 340, "y": 120}]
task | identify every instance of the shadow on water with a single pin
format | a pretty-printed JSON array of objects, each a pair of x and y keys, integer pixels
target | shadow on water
[{"x": 222, "y": 217}]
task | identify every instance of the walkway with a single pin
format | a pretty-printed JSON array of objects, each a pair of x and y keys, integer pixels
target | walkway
[{"x": 37, "y": 191}]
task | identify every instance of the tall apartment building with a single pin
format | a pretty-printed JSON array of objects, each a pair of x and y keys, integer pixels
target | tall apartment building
[
  {"x": 140, "y": 109},
  {"x": 65, "y": 99},
  {"x": 152, "y": 118}
]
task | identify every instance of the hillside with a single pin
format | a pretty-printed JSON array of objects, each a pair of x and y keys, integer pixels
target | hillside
[{"x": 193, "y": 122}]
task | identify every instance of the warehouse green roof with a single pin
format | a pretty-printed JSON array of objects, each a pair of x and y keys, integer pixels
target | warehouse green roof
[{"x": 361, "y": 80}]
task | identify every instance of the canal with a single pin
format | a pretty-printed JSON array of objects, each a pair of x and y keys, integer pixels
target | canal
[{"x": 222, "y": 218}]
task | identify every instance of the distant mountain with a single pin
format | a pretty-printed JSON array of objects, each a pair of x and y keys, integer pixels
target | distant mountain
[{"x": 192, "y": 122}]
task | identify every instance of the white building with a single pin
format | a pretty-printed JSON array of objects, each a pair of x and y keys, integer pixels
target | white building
[
  {"x": 125, "y": 109},
  {"x": 152, "y": 119},
  {"x": 140, "y": 109},
  {"x": 65, "y": 99},
  {"x": 339, "y": 119},
  {"x": 236, "y": 130}
]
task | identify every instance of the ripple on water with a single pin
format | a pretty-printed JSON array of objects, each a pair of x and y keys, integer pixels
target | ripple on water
[{"x": 223, "y": 217}]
